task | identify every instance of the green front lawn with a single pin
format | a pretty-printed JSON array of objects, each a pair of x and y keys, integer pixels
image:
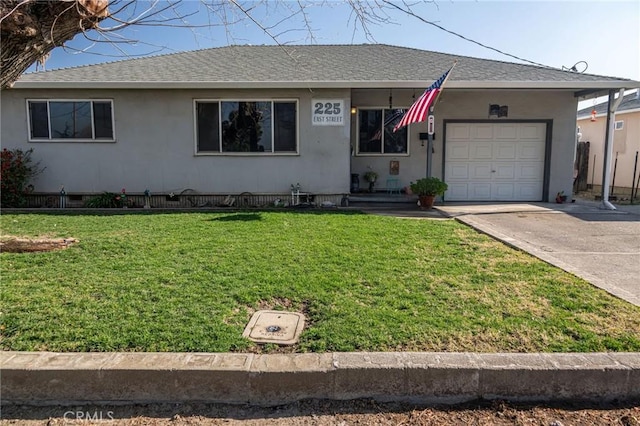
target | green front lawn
[{"x": 190, "y": 282}]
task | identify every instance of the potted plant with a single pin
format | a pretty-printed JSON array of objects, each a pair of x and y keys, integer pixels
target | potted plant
[
  {"x": 560, "y": 197},
  {"x": 371, "y": 177},
  {"x": 427, "y": 189}
]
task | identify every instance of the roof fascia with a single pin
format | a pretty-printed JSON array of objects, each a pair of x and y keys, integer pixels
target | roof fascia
[
  {"x": 557, "y": 85},
  {"x": 591, "y": 93}
]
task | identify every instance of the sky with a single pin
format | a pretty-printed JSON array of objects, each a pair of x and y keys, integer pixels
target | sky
[{"x": 598, "y": 37}]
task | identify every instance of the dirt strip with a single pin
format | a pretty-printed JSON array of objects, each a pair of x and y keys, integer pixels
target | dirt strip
[{"x": 314, "y": 412}]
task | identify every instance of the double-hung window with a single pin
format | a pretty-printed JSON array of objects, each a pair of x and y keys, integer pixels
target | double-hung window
[
  {"x": 376, "y": 135},
  {"x": 246, "y": 126},
  {"x": 70, "y": 120}
]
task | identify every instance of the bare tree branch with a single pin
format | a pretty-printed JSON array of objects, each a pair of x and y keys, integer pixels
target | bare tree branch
[{"x": 30, "y": 29}]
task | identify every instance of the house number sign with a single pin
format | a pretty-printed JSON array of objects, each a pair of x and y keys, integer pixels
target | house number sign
[{"x": 327, "y": 112}]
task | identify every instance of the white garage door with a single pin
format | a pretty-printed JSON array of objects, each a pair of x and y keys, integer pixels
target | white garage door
[{"x": 495, "y": 161}]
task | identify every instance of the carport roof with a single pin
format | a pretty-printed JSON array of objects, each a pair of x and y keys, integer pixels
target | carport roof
[
  {"x": 315, "y": 66},
  {"x": 629, "y": 102}
]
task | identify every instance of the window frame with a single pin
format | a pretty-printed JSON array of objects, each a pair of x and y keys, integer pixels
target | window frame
[
  {"x": 220, "y": 152},
  {"x": 91, "y": 101},
  {"x": 358, "y": 153},
  {"x": 618, "y": 125}
]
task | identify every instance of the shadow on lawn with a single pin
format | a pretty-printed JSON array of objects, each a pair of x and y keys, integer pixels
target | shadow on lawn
[
  {"x": 246, "y": 216},
  {"x": 239, "y": 217},
  {"x": 159, "y": 211}
]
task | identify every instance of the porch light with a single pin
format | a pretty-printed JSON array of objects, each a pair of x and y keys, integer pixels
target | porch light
[
  {"x": 354, "y": 110},
  {"x": 593, "y": 115}
]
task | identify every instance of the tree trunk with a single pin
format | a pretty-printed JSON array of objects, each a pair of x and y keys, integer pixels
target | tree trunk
[{"x": 30, "y": 29}]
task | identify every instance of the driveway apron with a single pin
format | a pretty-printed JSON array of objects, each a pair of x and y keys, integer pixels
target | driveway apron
[{"x": 600, "y": 246}]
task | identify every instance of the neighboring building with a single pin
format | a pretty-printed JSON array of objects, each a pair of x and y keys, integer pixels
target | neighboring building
[
  {"x": 259, "y": 119},
  {"x": 626, "y": 142}
]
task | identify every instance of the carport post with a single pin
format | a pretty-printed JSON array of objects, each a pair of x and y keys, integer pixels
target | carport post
[{"x": 612, "y": 106}]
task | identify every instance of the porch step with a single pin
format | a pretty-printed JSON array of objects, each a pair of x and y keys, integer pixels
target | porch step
[{"x": 381, "y": 198}]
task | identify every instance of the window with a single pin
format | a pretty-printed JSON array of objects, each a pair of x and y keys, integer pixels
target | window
[
  {"x": 375, "y": 132},
  {"x": 246, "y": 126},
  {"x": 619, "y": 125},
  {"x": 64, "y": 120}
]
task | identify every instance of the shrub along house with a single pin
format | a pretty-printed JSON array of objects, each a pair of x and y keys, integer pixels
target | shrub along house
[{"x": 260, "y": 119}]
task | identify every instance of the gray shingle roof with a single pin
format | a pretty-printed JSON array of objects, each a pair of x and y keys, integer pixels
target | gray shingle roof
[
  {"x": 630, "y": 101},
  {"x": 364, "y": 65}
]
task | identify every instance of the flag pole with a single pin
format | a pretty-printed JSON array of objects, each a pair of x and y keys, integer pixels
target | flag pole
[
  {"x": 430, "y": 137},
  {"x": 442, "y": 86}
]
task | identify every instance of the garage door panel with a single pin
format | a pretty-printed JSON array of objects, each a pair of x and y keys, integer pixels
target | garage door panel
[
  {"x": 482, "y": 132},
  {"x": 534, "y": 131},
  {"x": 530, "y": 171},
  {"x": 458, "y": 171},
  {"x": 503, "y": 191},
  {"x": 479, "y": 191},
  {"x": 481, "y": 151},
  {"x": 504, "y": 151},
  {"x": 457, "y": 151},
  {"x": 498, "y": 161},
  {"x": 507, "y": 131},
  {"x": 531, "y": 151},
  {"x": 504, "y": 171},
  {"x": 457, "y": 191},
  {"x": 459, "y": 131},
  {"x": 528, "y": 191},
  {"x": 480, "y": 171}
]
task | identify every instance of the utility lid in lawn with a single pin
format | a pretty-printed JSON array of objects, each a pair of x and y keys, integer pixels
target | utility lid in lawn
[{"x": 282, "y": 328}]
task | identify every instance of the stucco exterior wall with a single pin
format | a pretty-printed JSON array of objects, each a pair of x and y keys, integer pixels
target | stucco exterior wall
[
  {"x": 474, "y": 105},
  {"x": 155, "y": 142},
  {"x": 155, "y": 146},
  {"x": 626, "y": 143}
]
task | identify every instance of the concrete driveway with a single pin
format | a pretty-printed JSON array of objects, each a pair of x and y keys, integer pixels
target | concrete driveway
[{"x": 600, "y": 246}]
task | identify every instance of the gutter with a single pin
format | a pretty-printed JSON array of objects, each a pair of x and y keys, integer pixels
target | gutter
[{"x": 341, "y": 84}]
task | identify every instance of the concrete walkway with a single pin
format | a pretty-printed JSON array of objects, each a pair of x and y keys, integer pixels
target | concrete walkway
[{"x": 600, "y": 246}]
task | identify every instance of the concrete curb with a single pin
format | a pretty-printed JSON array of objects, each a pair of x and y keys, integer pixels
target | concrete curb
[{"x": 47, "y": 378}]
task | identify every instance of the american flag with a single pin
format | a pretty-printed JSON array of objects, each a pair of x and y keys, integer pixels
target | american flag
[{"x": 420, "y": 108}]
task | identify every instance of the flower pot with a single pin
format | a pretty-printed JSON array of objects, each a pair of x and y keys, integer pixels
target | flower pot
[{"x": 426, "y": 201}]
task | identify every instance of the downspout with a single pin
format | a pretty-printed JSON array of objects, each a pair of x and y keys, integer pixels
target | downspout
[{"x": 612, "y": 106}]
